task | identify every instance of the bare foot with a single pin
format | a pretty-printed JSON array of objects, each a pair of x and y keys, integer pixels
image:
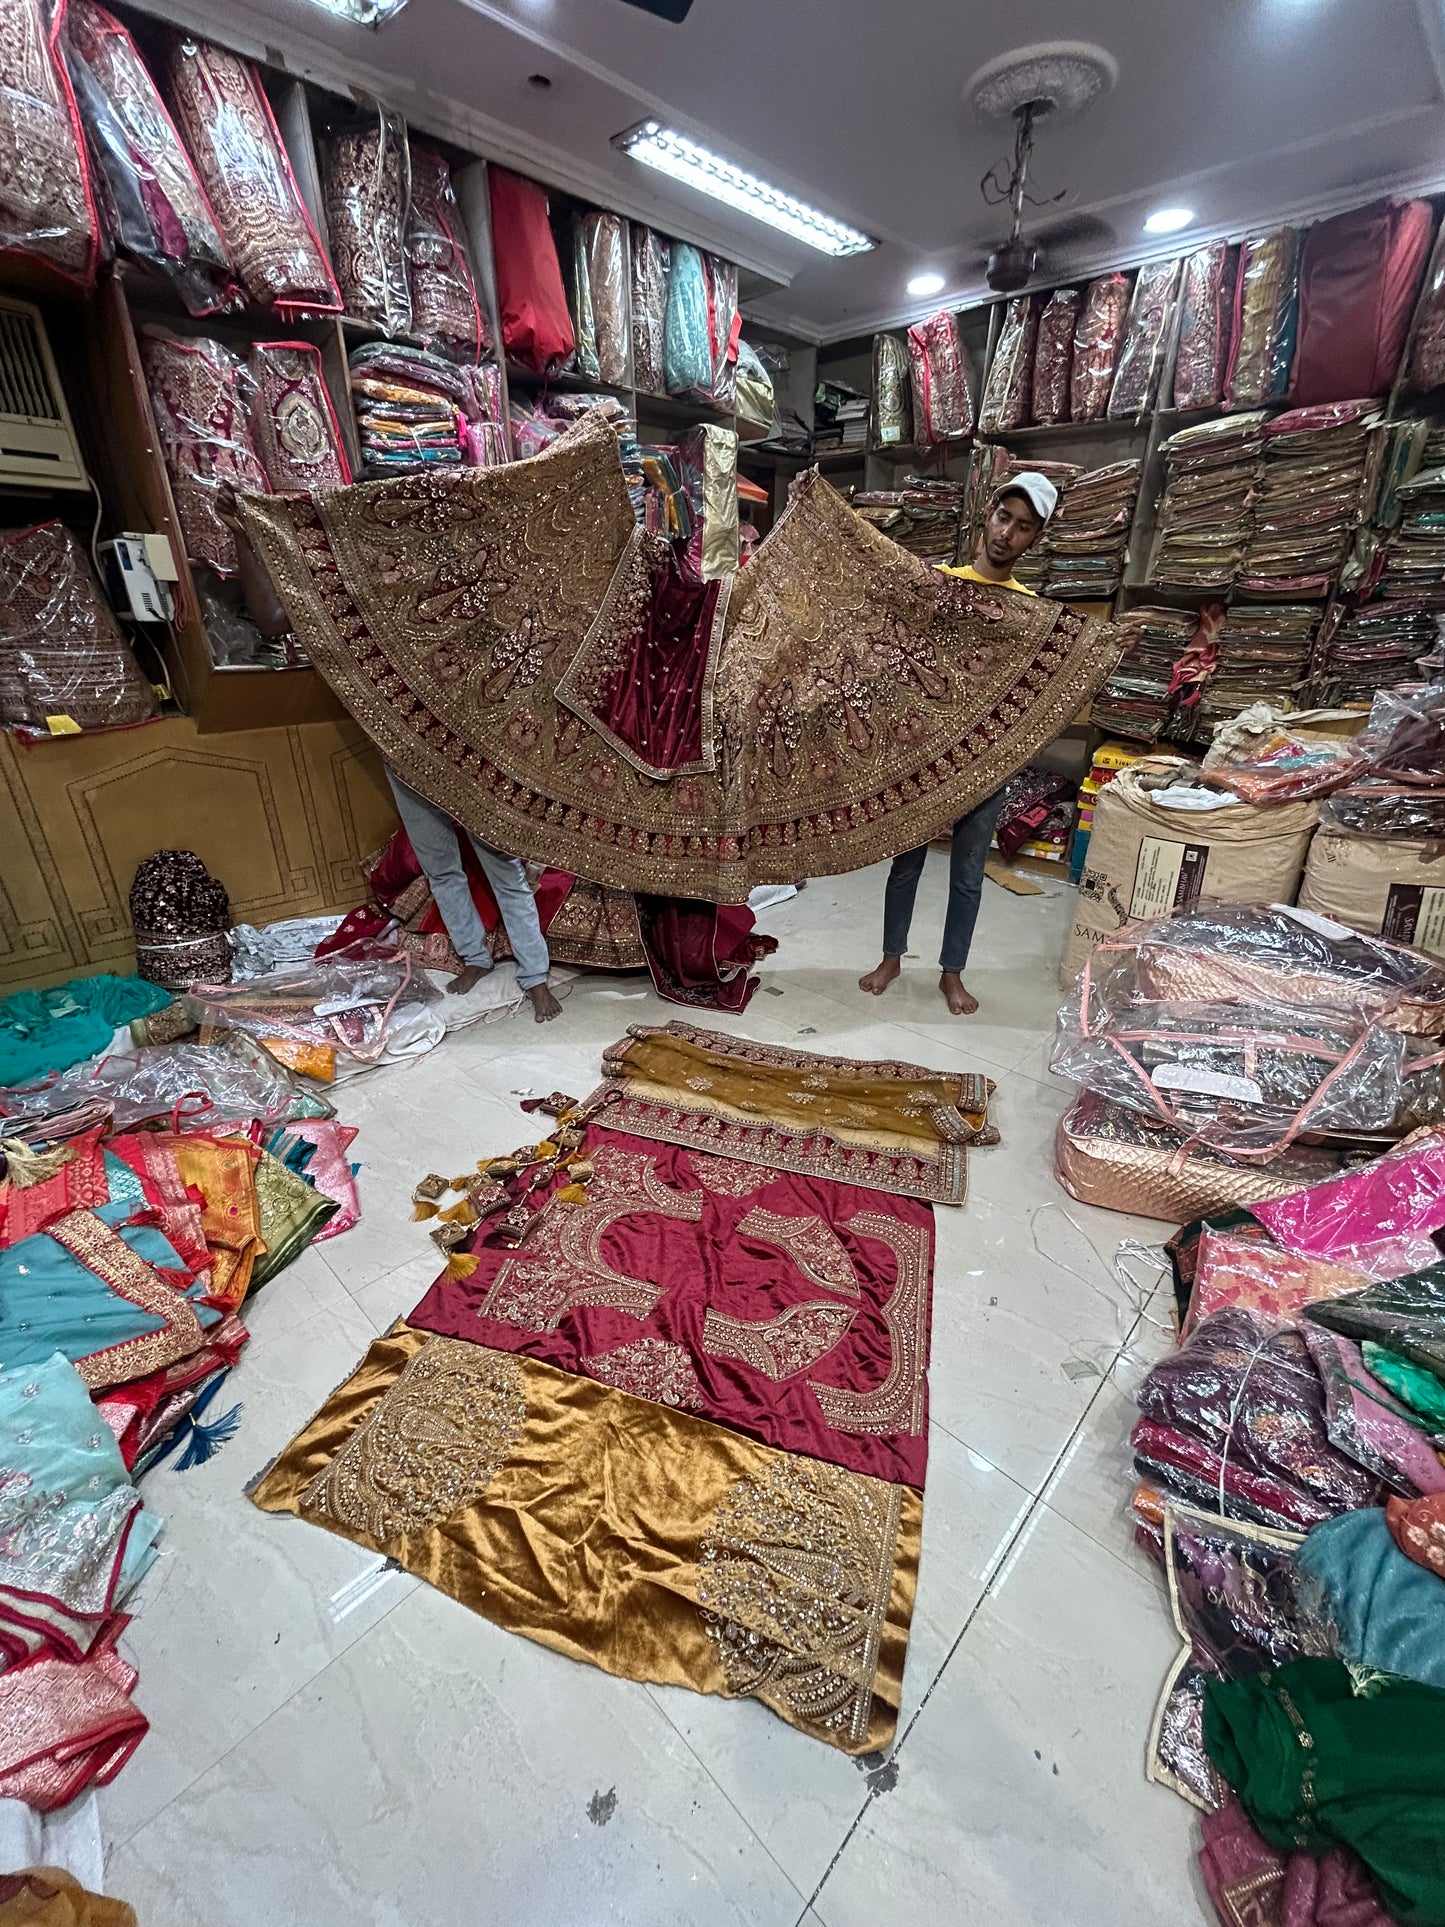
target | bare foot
[
  {"x": 877, "y": 981},
  {"x": 468, "y": 978},
  {"x": 544, "y": 1005},
  {"x": 960, "y": 1001}
]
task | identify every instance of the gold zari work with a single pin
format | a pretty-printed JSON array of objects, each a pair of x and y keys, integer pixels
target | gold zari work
[{"x": 860, "y": 701}]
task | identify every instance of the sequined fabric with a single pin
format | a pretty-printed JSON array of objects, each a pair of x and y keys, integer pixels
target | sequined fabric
[
  {"x": 444, "y": 307},
  {"x": 199, "y": 393},
  {"x": 46, "y": 209},
  {"x": 61, "y": 649},
  {"x": 180, "y": 914},
  {"x": 649, "y": 308},
  {"x": 368, "y": 190},
  {"x": 863, "y": 701},
  {"x": 297, "y": 436}
]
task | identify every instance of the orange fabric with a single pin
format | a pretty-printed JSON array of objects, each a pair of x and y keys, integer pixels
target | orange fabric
[{"x": 223, "y": 1171}]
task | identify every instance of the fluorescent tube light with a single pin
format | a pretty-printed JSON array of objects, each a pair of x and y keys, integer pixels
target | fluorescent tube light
[{"x": 683, "y": 160}]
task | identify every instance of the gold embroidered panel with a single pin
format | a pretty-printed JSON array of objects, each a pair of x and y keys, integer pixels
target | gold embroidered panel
[{"x": 861, "y": 702}]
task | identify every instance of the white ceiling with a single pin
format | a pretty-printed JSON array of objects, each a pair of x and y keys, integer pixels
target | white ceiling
[{"x": 1244, "y": 110}]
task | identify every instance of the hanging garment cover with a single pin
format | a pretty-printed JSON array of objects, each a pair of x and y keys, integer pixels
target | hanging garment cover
[
  {"x": 1207, "y": 304},
  {"x": 687, "y": 347},
  {"x": 650, "y": 257},
  {"x": 47, "y": 209},
  {"x": 531, "y": 300},
  {"x": 892, "y": 409},
  {"x": 1054, "y": 354},
  {"x": 227, "y": 124},
  {"x": 156, "y": 204},
  {"x": 1359, "y": 275},
  {"x": 938, "y": 369},
  {"x": 1010, "y": 386},
  {"x": 855, "y": 703},
  {"x": 445, "y": 311},
  {"x": 297, "y": 435},
  {"x": 62, "y": 654},
  {"x": 199, "y": 397},
  {"x": 368, "y": 198}
]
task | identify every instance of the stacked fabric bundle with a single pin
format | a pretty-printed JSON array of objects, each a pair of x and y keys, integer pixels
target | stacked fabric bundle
[
  {"x": 1260, "y": 650},
  {"x": 1318, "y": 476},
  {"x": 1414, "y": 554},
  {"x": 1135, "y": 700},
  {"x": 1369, "y": 647},
  {"x": 924, "y": 517},
  {"x": 1037, "y": 815},
  {"x": 1205, "y": 516},
  {"x": 840, "y": 417},
  {"x": 410, "y": 409},
  {"x": 1085, "y": 540},
  {"x": 672, "y": 1313}
]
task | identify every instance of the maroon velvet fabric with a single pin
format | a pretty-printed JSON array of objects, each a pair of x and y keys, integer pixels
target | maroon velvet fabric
[
  {"x": 1359, "y": 275},
  {"x": 531, "y": 300},
  {"x": 700, "y": 953},
  {"x": 653, "y": 701},
  {"x": 664, "y": 1220}
]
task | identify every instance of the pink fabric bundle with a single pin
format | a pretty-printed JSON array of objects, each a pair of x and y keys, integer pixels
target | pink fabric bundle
[
  {"x": 1359, "y": 275},
  {"x": 1054, "y": 354},
  {"x": 198, "y": 392},
  {"x": 1253, "y": 1886},
  {"x": 1208, "y": 305},
  {"x": 938, "y": 369},
  {"x": 297, "y": 435},
  {"x": 1386, "y": 1209},
  {"x": 329, "y": 1169},
  {"x": 1096, "y": 346}
]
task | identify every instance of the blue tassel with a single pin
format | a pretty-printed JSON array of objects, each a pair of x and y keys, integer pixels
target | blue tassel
[{"x": 206, "y": 1440}]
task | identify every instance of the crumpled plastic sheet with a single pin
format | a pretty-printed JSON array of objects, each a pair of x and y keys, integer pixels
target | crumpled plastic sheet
[
  {"x": 256, "y": 949},
  {"x": 359, "y": 1003}
]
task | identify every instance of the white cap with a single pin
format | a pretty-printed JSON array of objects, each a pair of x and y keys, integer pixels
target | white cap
[{"x": 1038, "y": 488}]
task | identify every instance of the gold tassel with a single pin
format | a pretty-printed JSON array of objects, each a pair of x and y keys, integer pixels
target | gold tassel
[
  {"x": 570, "y": 1194},
  {"x": 541, "y": 1152},
  {"x": 579, "y": 1170},
  {"x": 421, "y": 1210},
  {"x": 462, "y": 1212},
  {"x": 461, "y": 1264},
  {"x": 498, "y": 1168},
  {"x": 461, "y": 1183}
]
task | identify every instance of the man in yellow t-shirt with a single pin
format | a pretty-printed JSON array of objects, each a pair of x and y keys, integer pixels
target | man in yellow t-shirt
[{"x": 1016, "y": 519}]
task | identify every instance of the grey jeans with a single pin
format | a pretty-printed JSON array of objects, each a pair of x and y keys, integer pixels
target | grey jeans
[
  {"x": 972, "y": 835},
  {"x": 434, "y": 837}
]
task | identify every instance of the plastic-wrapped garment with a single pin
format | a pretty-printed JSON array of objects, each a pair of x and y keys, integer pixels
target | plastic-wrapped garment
[
  {"x": 938, "y": 373},
  {"x": 892, "y": 406},
  {"x": 294, "y": 425},
  {"x": 231, "y": 135},
  {"x": 1366, "y": 1422},
  {"x": 330, "y": 1169},
  {"x": 1243, "y": 1267},
  {"x": 1359, "y": 275},
  {"x": 1009, "y": 390},
  {"x": 1405, "y": 1315},
  {"x": 708, "y": 468},
  {"x": 232, "y": 636},
  {"x": 1243, "y": 1081},
  {"x": 650, "y": 268},
  {"x": 579, "y": 301},
  {"x": 200, "y": 398},
  {"x": 1419, "y": 1390},
  {"x": 1054, "y": 354},
  {"x": 62, "y": 656},
  {"x": 605, "y": 241},
  {"x": 224, "y": 1083},
  {"x": 1266, "y": 300},
  {"x": 1184, "y": 1467},
  {"x": 1096, "y": 346},
  {"x": 1395, "y": 1202},
  {"x": 1377, "y": 809},
  {"x": 1387, "y": 1611},
  {"x": 445, "y": 313},
  {"x": 1427, "y": 345},
  {"x": 255, "y": 949},
  {"x": 1288, "y": 772},
  {"x": 47, "y": 208},
  {"x": 1258, "y": 953},
  {"x": 1141, "y": 354},
  {"x": 755, "y": 387},
  {"x": 1118, "y": 1159},
  {"x": 1207, "y": 306},
  {"x": 348, "y": 1003},
  {"x": 1246, "y": 1389},
  {"x": 158, "y": 207},
  {"x": 367, "y": 174},
  {"x": 687, "y": 351},
  {"x": 531, "y": 300},
  {"x": 1404, "y": 739}
]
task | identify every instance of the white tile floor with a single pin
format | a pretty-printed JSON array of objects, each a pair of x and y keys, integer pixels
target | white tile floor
[{"x": 405, "y": 1764}]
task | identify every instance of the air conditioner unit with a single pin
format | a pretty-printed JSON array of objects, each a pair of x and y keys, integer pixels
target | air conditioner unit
[{"x": 38, "y": 448}]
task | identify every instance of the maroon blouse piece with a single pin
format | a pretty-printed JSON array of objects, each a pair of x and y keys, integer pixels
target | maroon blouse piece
[{"x": 794, "y": 1311}]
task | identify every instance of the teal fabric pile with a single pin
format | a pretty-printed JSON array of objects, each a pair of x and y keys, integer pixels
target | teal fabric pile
[{"x": 49, "y": 1030}]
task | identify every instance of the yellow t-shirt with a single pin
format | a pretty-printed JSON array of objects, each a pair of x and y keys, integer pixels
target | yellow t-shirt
[{"x": 970, "y": 574}]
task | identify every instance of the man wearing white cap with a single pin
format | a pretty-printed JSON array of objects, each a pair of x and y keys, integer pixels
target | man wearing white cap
[{"x": 1017, "y": 519}]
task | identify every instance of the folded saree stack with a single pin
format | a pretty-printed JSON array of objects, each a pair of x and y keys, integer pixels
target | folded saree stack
[
  {"x": 1316, "y": 483},
  {"x": 1087, "y": 535},
  {"x": 1135, "y": 701},
  {"x": 417, "y": 410},
  {"x": 924, "y": 516},
  {"x": 1262, "y": 653},
  {"x": 665, "y": 1408},
  {"x": 1212, "y": 476}
]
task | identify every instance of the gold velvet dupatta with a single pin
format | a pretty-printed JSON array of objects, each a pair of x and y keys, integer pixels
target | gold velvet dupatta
[{"x": 856, "y": 704}]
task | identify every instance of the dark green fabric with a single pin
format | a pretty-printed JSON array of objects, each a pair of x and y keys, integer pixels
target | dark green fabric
[
  {"x": 1371, "y": 1777},
  {"x": 1414, "y": 1385},
  {"x": 1406, "y": 1314},
  {"x": 49, "y": 1030}
]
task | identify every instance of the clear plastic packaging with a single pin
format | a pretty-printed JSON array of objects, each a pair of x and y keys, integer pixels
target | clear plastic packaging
[
  {"x": 1054, "y": 354},
  {"x": 1404, "y": 740},
  {"x": 579, "y": 301},
  {"x": 1427, "y": 345},
  {"x": 1406, "y": 1315},
  {"x": 938, "y": 374},
  {"x": 367, "y": 175},
  {"x": 225, "y": 119},
  {"x": 892, "y": 404},
  {"x": 605, "y": 240},
  {"x": 1207, "y": 305},
  {"x": 650, "y": 267},
  {"x": 1376, "y": 1215},
  {"x": 1266, "y": 306},
  {"x": 687, "y": 351},
  {"x": 1242, "y": 1268},
  {"x": 47, "y": 208},
  {"x": 1009, "y": 389},
  {"x": 1243, "y": 1081},
  {"x": 294, "y": 425},
  {"x": 1096, "y": 346},
  {"x": 1379, "y": 809},
  {"x": 63, "y": 659},
  {"x": 445, "y": 312},
  {"x": 725, "y": 323},
  {"x": 707, "y": 459},
  {"x": 229, "y": 1082},
  {"x": 349, "y": 1003},
  {"x": 754, "y": 387},
  {"x": 1288, "y": 772},
  {"x": 232, "y": 637},
  {"x": 158, "y": 208},
  {"x": 1366, "y": 1421},
  {"x": 200, "y": 398},
  {"x": 1141, "y": 355}
]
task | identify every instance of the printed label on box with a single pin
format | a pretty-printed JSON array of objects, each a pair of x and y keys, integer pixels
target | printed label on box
[
  {"x": 1168, "y": 876},
  {"x": 1415, "y": 914}
]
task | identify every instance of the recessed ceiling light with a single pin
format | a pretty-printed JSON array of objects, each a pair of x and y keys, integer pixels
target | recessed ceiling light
[
  {"x": 684, "y": 160},
  {"x": 926, "y": 284},
  {"x": 1168, "y": 220}
]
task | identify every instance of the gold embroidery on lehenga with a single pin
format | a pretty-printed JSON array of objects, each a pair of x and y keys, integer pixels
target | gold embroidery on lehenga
[
  {"x": 727, "y": 1178},
  {"x": 814, "y": 1247},
  {"x": 563, "y": 1265},
  {"x": 778, "y": 1347},
  {"x": 103, "y": 1251},
  {"x": 794, "y": 1576},
  {"x": 654, "y": 1368},
  {"x": 897, "y": 1404},
  {"x": 432, "y": 1444}
]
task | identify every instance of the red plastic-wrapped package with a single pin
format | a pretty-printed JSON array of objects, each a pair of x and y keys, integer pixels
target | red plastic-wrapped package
[
  {"x": 531, "y": 300},
  {"x": 200, "y": 395},
  {"x": 1096, "y": 346},
  {"x": 1359, "y": 274},
  {"x": 938, "y": 372},
  {"x": 294, "y": 425},
  {"x": 62, "y": 654},
  {"x": 1141, "y": 356},
  {"x": 47, "y": 208},
  {"x": 1207, "y": 305},
  {"x": 1054, "y": 354},
  {"x": 1011, "y": 376},
  {"x": 445, "y": 311},
  {"x": 367, "y": 172}
]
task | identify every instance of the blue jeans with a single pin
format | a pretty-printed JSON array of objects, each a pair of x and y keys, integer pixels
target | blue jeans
[
  {"x": 434, "y": 838},
  {"x": 972, "y": 835}
]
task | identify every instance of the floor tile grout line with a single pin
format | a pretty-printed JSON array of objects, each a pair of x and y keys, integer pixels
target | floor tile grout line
[{"x": 1036, "y": 1499}]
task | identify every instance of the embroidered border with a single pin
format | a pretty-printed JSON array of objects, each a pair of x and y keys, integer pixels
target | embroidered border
[
  {"x": 897, "y": 1404},
  {"x": 814, "y": 1247},
  {"x": 107, "y": 1254},
  {"x": 780, "y": 1347}
]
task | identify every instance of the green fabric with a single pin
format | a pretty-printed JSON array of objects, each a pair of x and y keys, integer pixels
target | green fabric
[
  {"x": 291, "y": 1211},
  {"x": 1317, "y": 1766},
  {"x": 49, "y": 1030},
  {"x": 1407, "y": 1314},
  {"x": 1414, "y": 1385}
]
